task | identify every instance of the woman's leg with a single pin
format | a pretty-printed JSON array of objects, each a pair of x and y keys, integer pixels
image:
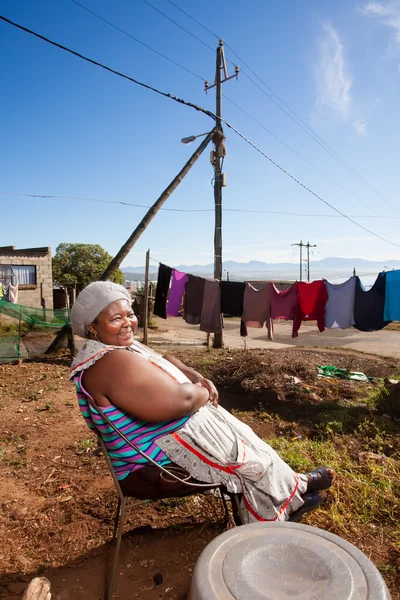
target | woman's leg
[{"x": 149, "y": 482}]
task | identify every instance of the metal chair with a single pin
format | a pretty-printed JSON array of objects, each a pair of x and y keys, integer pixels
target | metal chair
[{"x": 121, "y": 507}]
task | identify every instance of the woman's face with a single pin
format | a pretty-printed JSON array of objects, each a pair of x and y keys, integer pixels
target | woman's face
[{"x": 116, "y": 324}]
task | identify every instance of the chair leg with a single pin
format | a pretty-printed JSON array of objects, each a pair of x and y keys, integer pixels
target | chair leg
[
  {"x": 237, "y": 510},
  {"x": 121, "y": 504},
  {"x": 116, "y": 521},
  {"x": 222, "y": 491}
]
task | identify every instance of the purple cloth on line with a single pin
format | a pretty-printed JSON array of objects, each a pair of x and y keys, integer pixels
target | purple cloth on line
[{"x": 176, "y": 293}]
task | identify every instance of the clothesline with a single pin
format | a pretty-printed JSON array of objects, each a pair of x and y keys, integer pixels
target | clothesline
[
  {"x": 340, "y": 305},
  {"x": 289, "y": 279}
]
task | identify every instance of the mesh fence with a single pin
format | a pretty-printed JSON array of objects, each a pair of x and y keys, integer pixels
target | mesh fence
[{"x": 27, "y": 332}]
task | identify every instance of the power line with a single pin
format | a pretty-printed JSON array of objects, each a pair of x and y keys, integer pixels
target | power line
[
  {"x": 180, "y": 26},
  {"x": 137, "y": 40},
  {"x": 202, "y": 79},
  {"x": 298, "y": 154},
  {"x": 193, "y": 210},
  {"x": 207, "y": 112},
  {"x": 319, "y": 141},
  {"x": 300, "y": 122},
  {"x": 193, "y": 19},
  {"x": 305, "y": 187},
  {"x": 109, "y": 69}
]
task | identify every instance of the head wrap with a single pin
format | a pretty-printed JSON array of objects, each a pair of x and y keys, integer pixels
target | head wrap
[{"x": 92, "y": 300}]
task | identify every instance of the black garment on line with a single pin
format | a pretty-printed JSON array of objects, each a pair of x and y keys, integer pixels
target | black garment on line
[
  {"x": 193, "y": 302},
  {"x": 160, "y": 302},
  {"x": 232, "y": 294},
  {"x": 369, "y": 305}
]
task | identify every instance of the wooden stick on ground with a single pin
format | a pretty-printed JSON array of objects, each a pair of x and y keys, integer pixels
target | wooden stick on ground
[{"x": 38, "y": 589}]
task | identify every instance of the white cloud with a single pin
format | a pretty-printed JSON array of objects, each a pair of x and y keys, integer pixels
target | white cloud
[
  {"x": 389, "y": 14},
  {"x": 334, "y": 81},
  {"x": 360, "y": 128}
]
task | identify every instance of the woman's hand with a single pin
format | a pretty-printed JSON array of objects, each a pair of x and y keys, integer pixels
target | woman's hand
[{"x": 208, "y": 384}]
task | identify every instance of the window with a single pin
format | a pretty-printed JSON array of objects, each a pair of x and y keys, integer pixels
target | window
[
  {"x": 7, "y": 274},
  {"x": 26, "y": 275}
]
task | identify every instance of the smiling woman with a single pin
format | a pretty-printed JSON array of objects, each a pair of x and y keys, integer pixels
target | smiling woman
[
  {"x": 171, "y": 413},
  {"x": 115, "y": 325}
]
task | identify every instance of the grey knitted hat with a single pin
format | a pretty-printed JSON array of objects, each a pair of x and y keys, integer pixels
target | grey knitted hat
[{"x": 92, "y": 300}]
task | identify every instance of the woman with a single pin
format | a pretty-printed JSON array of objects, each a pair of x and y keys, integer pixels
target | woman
[{"x": 171, "y": 413}]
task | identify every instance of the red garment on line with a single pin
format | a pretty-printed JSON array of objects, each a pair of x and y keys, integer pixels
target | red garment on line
[
  {"x": 282, "y": 304},
  {"x": 311, "y": 300}
]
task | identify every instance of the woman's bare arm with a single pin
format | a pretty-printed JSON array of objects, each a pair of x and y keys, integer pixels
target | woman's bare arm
[
  {"x": 195, "y": 377},
  {"x": 141, "y": 389}
]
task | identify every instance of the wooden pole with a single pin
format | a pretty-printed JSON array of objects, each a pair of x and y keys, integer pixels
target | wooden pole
[
  {"x": 146, "y": 298},
  {"x": 149, "y": 216},
  {"x": 151, "y": 213},
  {"x": 19, "y": 337}
]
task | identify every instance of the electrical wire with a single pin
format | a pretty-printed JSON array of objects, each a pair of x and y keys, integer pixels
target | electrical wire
[
  {"x": 300, "y": 122},
  {"x": 137, "y": 40},
  {"x": 194, "y": 210},
  {"x": 298, "y": 154},
  {"x": 193, "y": 19},
  {"x": 288, "y": 276},
  {"x": 227, "y": 98},
  {"x": 109, "y": 69},
  {"x": 305, "y": 187},
  {"x": 180, "y": 26},
  {"x": 321, "y": 143},
  {"x": 208, "y": 113}
]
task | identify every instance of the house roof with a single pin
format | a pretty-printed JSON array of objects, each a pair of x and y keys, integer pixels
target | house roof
[{"x": 12, "y": 251}]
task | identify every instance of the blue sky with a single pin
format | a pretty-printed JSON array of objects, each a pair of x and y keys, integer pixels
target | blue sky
[{"x": 71, "y": 129}]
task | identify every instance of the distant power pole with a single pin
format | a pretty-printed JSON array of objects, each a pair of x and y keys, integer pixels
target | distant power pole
[
  {"x": 308, "y": 246},
  {"x": 308, "y": 258},
  {"x": 217, "y": 159}
]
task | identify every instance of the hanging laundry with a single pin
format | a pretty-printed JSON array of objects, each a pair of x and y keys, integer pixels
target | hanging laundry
[
  {"x": 232, "y": 294},
  {"x": 1, "y": 290},
  {"x": 370, "y": 304},
  {"x": 256, "y": 308},
  {"x": 211, "y": 318},
  {"x": 13, "y": 293},
  {"x": 176, "y": 293},
  {"x": 193, "y": 302},
  {"x": 6, "y": 291},
  {"x": 311, "y": 298},
  {"x": 163, "y": 279},
  {"x": 392, "y": 296},
  {"x": 282, "y": 305},
  {"x": 339, "y": 309}
]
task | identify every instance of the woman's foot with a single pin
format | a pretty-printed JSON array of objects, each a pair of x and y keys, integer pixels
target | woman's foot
[
  {"x": 311, "y": 501},
  {"x": 320, "y": 479}
]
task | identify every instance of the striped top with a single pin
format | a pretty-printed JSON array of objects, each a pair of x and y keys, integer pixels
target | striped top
[{"x": 125, "y": 459}]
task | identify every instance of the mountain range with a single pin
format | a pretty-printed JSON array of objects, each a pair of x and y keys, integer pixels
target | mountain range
[{"x": 255, "y": 269}]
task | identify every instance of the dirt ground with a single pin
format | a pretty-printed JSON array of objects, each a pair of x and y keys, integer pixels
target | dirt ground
[{"x": 57, "y": 499}]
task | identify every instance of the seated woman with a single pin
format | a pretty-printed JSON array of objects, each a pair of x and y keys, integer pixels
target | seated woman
[{"x": 171, "y": 413}]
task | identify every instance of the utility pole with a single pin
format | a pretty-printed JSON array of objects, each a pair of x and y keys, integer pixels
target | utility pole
[
  {"x": 153, "y": 210},
  {"x": 308, "y": 246},
  {"x": 308, "y": 258},
  {"x": 217, "y": 160}
]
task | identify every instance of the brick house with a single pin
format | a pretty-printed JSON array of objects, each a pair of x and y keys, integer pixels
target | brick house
[{"x": 32, "y": 269}]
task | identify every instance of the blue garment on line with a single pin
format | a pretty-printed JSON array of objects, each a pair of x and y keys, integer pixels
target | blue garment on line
[{"x": 392, "y": 297}]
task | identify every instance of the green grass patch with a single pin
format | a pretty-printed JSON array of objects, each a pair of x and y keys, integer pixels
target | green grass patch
[
  {"x": 367, "y": 487},
  {"x": 13, "y": 452},
  {"x": 85, "y": 444}
]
